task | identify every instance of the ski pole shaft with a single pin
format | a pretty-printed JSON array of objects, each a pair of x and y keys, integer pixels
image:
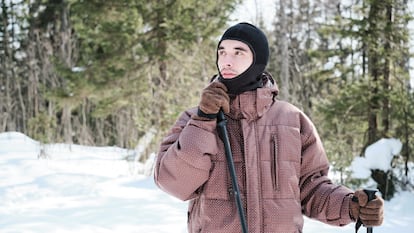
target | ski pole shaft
[{"x": 221, "y": 123}]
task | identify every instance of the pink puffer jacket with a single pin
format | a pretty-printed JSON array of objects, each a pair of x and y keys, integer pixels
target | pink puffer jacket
[{"x": 280, "y": 162}]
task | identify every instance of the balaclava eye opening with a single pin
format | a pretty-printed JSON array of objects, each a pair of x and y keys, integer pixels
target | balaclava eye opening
[{"x": 251, "y": 78}]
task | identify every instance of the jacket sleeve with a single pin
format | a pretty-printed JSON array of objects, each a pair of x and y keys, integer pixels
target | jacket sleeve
[
  {"x": 320, "y": 198},
  {"x": 183, "y": 163}
]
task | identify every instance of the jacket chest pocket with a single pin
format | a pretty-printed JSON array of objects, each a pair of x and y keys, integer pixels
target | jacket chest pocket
[
  {"x": 274, "y": 164},
  {"x": 280, "y": 168}
]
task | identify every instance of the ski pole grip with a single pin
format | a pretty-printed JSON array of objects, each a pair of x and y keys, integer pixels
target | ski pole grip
[
  {"x": 371, "y": 196},
  {"x": 370, "y": 193},
  {"x": 220, "y": 115}
]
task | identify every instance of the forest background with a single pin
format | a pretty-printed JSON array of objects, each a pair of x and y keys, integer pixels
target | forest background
[{"x": 116, "y": 71}]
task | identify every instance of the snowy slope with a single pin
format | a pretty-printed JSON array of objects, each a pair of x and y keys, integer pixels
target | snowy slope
[{"x": 90, "y": 189}]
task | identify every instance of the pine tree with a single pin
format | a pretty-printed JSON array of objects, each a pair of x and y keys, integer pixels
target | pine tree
[
  {"x": 105, "y": 72},
  {"x": 373, "y": 76}
]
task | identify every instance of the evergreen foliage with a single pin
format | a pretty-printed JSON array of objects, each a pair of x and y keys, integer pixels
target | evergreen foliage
[
  {"x": 346, "y": 65},
  {"x": 106, "y": 72},
  {"x": 370, "y": 90}
]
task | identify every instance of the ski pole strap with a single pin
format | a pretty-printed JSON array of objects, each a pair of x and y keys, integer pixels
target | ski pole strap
[{"x": 200, "y": 113}]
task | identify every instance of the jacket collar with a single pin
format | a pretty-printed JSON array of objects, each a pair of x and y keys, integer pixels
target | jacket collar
[{"x": 251, "y": 105}]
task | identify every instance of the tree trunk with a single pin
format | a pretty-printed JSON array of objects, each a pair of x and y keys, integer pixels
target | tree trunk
[
  {"x": 67, "y": 124},
  {"x": 386, "y": 87},
  {"x": 283, "y": 41},
  {"x": 380, "y": 12},
  {"x": 6, "y": 87},
  {"x": 385, "y": 183}
]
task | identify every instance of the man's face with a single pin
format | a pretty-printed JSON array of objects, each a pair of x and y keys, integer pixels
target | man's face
[{"x": 234, "y": 57}]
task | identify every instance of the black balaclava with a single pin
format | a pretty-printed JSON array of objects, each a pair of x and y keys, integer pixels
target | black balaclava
[{"x": 250, "y": 79}]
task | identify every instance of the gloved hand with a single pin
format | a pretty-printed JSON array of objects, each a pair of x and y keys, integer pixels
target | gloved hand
[
  {"x": 371, "y": 213},
  {"x": 213, "y": 97}
]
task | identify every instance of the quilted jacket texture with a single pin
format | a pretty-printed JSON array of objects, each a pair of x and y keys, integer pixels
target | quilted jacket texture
[{"x": 280, "y": 163}]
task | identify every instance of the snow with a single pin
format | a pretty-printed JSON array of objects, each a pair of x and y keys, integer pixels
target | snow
[
  {"x": 72, "y": 188},
  {"x": 377, "y": 156}
]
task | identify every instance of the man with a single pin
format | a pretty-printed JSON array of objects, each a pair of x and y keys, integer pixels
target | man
[{"x": 280, "y": 162}]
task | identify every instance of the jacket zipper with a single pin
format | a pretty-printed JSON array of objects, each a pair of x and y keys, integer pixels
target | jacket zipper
[
  {"x": 275, "y": 172},
  {"x": 259, "y": 181}
]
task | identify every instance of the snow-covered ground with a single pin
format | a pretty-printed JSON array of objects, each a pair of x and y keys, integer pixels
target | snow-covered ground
[{"x": 63, "y": 188}]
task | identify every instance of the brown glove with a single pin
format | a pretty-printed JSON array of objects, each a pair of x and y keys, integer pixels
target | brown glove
[
  {"x": 213, "y": 98},
  {"x": 371, "y": 213}
]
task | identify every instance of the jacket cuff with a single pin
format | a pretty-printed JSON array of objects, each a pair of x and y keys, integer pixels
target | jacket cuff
[{"x": 346, "y": 211}]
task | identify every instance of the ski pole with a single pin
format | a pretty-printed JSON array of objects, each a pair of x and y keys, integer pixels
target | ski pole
[
  {"x": 371, "y": 196},
  {"x": 221, "y": 123}
]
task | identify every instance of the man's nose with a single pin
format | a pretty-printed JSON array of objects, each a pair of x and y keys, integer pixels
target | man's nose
[{"x": 228, "y": 61}]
